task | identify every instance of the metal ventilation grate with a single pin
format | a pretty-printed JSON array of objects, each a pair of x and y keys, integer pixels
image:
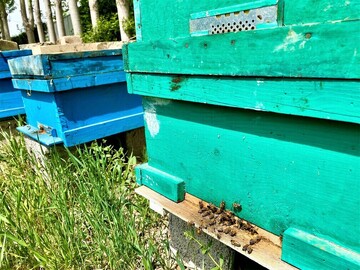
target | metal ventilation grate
[{"x": 246, "y": 20}]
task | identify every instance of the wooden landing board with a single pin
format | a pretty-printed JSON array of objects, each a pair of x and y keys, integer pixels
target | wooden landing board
[{"x": 266, "y": 253}]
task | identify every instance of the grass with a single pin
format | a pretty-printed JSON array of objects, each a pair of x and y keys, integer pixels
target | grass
[{"x": 76, "y": 211}]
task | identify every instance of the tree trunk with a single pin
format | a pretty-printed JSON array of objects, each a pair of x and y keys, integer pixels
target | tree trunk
[
  {"x": 94, "y": 12},
  {"x": 49, "y": 21},
  {"x": 123, "y": 9},
  {"x": 75, "y": 17},
  {"x": 38, "y": 21},
  {"x": 5, "y": 32},
  {"x": 1, "y": 27},
  {"x": 27, "y": 25},
  {"x": 59, "y": 18}
]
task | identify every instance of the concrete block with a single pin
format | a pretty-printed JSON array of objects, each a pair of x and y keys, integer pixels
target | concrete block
[
  {"x": 75, "y": 47},
  {"x": 189, "y": 251},
  {"x": 6, "y": 45},
  {"x": 69, "y": 40}
]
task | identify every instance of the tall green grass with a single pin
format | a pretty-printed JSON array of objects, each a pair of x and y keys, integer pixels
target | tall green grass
[{"x": 77, "y": 211}]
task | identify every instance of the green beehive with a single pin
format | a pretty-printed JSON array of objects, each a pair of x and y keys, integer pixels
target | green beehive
[{"x": 257, "y": 103}]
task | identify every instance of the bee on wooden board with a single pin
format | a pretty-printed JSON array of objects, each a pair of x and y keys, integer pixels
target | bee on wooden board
[
  {"x": 201, "y": 204},
  {"x": 235, "y": 243},
  {"x": 222, "y": 205},
  {"x": 237, "y": 207}
]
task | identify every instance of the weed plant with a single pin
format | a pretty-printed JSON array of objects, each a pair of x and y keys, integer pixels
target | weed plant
[{"x": 75, "y": 212}]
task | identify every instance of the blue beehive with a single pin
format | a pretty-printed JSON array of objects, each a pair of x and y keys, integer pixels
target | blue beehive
[
  {"x": 73, "y": 98},
  {"x": 10, "y": 99}
]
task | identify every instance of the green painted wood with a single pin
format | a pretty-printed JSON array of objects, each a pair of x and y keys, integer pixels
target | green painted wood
[
  {"x": 157, "y": 24},
  {"x": 285, "y": 171},
  {"x": 166, "y": 184},
  {"x": 311, "y": 11},
  {"x": 311, "y": 51},
  {"x": 307, "y": 252},
  {"x": 235, "y": 8},
  {"x": 327, "y": 99}
]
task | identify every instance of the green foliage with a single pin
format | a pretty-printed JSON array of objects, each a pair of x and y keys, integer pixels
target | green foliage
[
  {"x": 75, "y": 210},
  {"x": 107, "y": 30},
  {"x": 129, "y": 26}
]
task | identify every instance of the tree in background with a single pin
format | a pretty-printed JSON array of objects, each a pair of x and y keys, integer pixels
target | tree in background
[
  {"x": 6, "y": 7},
  {"x": 28, "y": 20},
  {"x": 59, "y": 18},
  {"x": 94, "y": 12},
  {"x": 38, "y": 22},
  {"x": 123, "y": 9},
  {"x": 49, "y": 21},
  {"x": 75, "y": 17},
  {"x": 108, "y": 24}
]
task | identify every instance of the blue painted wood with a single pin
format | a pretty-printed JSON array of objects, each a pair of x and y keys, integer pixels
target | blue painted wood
[
  {"x": 63, "y": 84},
  {"x": 10, "y": 99},
  {"x": 51, "y": 66},
  {"x": 74, "y": 98}
]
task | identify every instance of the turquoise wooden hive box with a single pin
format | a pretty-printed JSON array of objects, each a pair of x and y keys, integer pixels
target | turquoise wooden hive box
[
  {"x": 77, "y": 97},
  {"x": 257, "y": 103},
  {"x": 10, "y": 99}
]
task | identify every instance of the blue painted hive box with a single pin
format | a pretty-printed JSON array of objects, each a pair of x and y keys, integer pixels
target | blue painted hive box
[
  {"x": 10, "y": 99},
  {"x": 73, "y": 98},
  {"x": 257, "y": 104}
]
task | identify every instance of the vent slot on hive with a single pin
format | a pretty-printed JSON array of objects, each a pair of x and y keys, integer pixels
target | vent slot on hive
[{"x": 245, "y": 20}]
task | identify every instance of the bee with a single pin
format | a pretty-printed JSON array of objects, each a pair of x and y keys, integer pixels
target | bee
[
  {"x": 255, "y": 240},
  {"x": 232, "y": 232},
  {"x": 249, "y": 250},
  {"x": 222, "y": 205},
  {"x": 220, "y": 229},
  {"x": 235, "y": 243},
  {"x": 202, "y": 210},
  {"x": 218, "y": 236},
  {"x": 227, "y": 230},
  {"x": 211, "y": 216},
  {"x": 237, "y": 207},
  {"x": 212, "y": 207},
  {"x": 245, "y": 247},
  {"x": 190, "y": 223},
  {"x": 205, "y": 214},
  {"x": 211, "y": 223},
  {"x": 201, "y": 204},
  {"x": 199, "y": 230}
]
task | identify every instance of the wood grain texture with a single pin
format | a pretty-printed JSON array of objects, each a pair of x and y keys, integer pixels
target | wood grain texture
[
  {"x": 175, "y": 22},
  {"x": 309, "y": 51},
  {"x": 285, "y": 171},
  {"x": 66, "y": 65},
  {"x": 73, "y": 82},
  {"x": 326, "y": 99},
  {"x": 266, "y": 253},
  {"x": 83, "y": 114}
]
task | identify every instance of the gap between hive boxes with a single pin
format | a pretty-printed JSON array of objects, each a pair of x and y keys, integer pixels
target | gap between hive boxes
[{"x": 266, "y": 253}]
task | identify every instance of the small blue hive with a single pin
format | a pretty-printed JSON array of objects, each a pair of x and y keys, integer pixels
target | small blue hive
[
  {"x": 10, "y": 99},
  {"x": 77, "y": 97}
]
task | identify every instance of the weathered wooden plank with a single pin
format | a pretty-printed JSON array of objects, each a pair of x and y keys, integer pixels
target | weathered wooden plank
[
  {"x": 64, "y": 84},
  {"x": 311, "y": 51},
  {"x": 67, "y": 64},
  {"x": 308, "y": 251},
  {"x": 310, "y": 11},
  {"x": 266, "y": 253},
  {"x": 327, "y": 99},
  {"x": 285, "y": 171},
  {"x": 82, "y": 114},
  {"x": 171, "y": 24}
]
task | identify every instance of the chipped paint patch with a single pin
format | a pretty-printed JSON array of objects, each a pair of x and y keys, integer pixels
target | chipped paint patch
[
  {"x": 259, "y": 106},
  {"x": 291, "y": 41},
  {"x": 150, "y": 115},
  {"x": 259, "y": 82}
]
